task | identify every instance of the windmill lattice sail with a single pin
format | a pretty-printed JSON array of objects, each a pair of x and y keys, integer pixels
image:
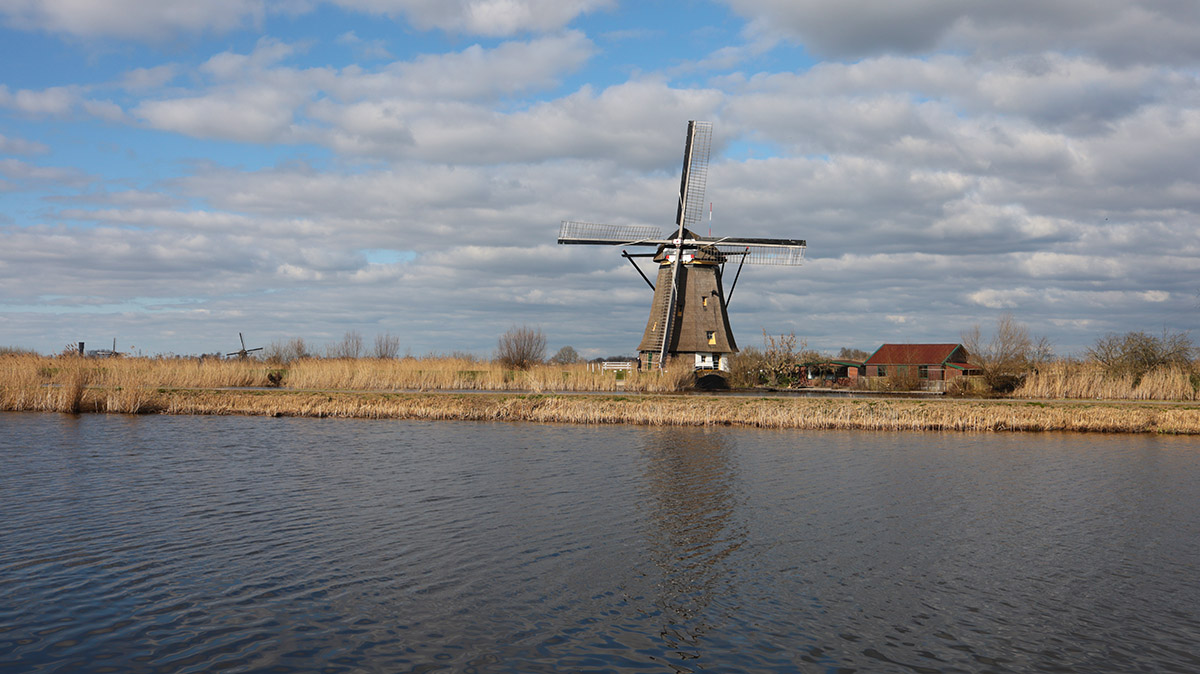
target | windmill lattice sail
[
  {"x": 789, "y": 255},
  {"x": 573, "y": 232},
  {"x": 695, "y": 173}
]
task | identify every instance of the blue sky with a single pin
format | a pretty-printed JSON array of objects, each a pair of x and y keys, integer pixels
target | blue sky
[{"x": 172, "y": 173}]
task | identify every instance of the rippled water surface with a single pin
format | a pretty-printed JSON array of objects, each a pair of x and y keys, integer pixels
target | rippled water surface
[{"x": 197, "y": 544}]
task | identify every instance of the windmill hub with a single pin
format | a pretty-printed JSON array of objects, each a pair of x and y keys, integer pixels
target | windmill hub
[{"x": 689, "y": 313}]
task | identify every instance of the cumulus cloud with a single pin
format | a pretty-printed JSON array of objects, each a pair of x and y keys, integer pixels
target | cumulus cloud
[
  {"x": 153, "y": 20},
  {"x": 158, "y": 20},
  {"x": 481, "y": 17},
  {"x": 1119, "y": 31},
  {"x": 952, "y": 163},
  {"x": 33, "y": 175},
  {"x": 21, "y": 146},
  {"x": 53, "y": 101},
  {"x": 252, "y": 97}
]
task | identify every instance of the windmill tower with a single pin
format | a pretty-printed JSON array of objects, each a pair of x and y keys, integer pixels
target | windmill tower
[{"x": 689, "y": 313}]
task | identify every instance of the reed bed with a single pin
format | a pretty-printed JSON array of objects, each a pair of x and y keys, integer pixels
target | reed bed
[
  {"x": 1090, "y": 381},
  {"x": 384, "y": 390},
  {"x": 451, "y": 374},
  {"x": 655, "y": 410},
  {"x": 24, "y": 371}
]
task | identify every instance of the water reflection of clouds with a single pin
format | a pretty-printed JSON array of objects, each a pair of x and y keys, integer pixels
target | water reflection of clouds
[{"x": 692, "y": 485}]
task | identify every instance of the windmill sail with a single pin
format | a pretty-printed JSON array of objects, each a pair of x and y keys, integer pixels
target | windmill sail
[
  {"x": 572, "y": 232},
  {"x": 774, "y": 252},
  {"x": 695, "y": 174},
  {"x": 696, "y": 150}
]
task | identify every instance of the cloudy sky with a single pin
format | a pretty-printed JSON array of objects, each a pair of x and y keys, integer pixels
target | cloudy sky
[{"x": 173, "y": 172}]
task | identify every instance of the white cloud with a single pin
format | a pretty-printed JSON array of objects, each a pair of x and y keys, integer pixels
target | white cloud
[
  {"x": 152, "y": 20},
  {"x": 255, "y": 99},
  {"x": 21, "y": 146},
  {"x": 254, "y": 116},
  {"x": 139, "y": 79},
  {"x": 159, "y": 20},
  {"x": 53, "y": 101},
  {"x": 43, "y": 176},
  {"x": 937, "y": 182},
  {"x": 1119, "y": 31},
  {"x": 481, "y": 17}
]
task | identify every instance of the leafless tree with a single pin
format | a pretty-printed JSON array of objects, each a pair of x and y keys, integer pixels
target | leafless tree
[
  {"x": 1137, "y": 353},
  {"x": 848, "y": 353},
  {"x": 780, "y": 357},
  {"x": 521, "y": 348},
  {"x": 287, "y": 351},
  {"x": 1008, "y": 355},
  {"x": 351, "y": 346},
  {"x": 387, "y": 346}
]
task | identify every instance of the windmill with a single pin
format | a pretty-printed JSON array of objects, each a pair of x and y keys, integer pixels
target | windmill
[
  {"x": 241, "y": 353},
  {"x": 689, "y": 312}
]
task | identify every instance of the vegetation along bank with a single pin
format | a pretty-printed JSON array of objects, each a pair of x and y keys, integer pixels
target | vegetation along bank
[{"x": 149, "y": 386}]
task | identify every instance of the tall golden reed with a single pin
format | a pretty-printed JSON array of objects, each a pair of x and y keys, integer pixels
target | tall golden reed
[
  {"x": 407, "y": 389},
  {"x": 1091, "y": 381}
]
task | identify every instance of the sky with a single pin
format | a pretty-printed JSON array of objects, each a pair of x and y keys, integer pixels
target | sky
[{"x": 175, "y": 172}]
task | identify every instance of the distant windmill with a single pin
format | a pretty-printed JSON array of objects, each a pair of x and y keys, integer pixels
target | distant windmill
[
  {"x": 688, "y": 315},
  {"x": 100, "y": 353},
  {"x": 241, "y": 353}
]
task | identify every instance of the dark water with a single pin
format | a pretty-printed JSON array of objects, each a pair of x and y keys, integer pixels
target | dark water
[{"x": 181, "y": 544}]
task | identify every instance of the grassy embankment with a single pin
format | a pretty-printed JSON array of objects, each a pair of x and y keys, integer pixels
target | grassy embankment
[{"x": 367, "y": 389}]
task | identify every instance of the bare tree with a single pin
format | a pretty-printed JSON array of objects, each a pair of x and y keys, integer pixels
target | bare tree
[
  {"x": 780, "y": 357},
  {"x": 1137, "y": 353},
  {"x": 848, "y": 353},
  {"x": 351, "y": 346},
  {"x": 287, "y": 351},
  {"x": 1009, "y": 355},
  {"x": 387, "y": 346},
  {"x": 521, "y": 348}
]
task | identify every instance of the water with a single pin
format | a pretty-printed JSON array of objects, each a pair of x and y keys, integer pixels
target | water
[{"x": 198, "y": 544}]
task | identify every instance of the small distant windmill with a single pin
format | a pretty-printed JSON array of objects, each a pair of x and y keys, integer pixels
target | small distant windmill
[
  {"x": 241, "y": 353},
  {"x": 689, "y": 312}
]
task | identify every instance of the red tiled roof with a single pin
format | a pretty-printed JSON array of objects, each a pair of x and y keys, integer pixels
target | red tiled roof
[{"x": 913, "y": 354}]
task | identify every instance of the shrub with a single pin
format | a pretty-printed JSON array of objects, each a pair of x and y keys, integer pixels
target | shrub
[
  {"x": 565, "y": 356},
  {"x": 521, "y": 348},
  {"x": 1137, "y": 353}
]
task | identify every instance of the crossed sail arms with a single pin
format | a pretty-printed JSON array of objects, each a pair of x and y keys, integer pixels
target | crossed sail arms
[{"x": 778, "y": 252}]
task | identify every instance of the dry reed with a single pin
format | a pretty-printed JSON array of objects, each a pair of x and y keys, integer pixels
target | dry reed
[
  {"x": 371, "y": 390},
  {"x": 1091, "y": 381},
  {"x": 667, "y": 410},
  {"x": 451, "y": 374}
]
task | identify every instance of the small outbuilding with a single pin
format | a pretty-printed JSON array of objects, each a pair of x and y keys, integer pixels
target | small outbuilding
[
  {"x": 934, "y": 364},
  {"x": 831, "y": 373}
]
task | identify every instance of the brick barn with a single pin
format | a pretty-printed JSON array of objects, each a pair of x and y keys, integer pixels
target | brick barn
[{"x": 935, "y": 364}]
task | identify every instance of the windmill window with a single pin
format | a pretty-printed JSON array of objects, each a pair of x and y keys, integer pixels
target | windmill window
[
  {"x": 704, "y": 301},
  {"x": 712, "y": 336}
]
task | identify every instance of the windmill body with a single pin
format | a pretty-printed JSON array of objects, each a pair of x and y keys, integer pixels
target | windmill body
[
  {"x": 699, "y": 327},
  {"x": 689, "y": 313}
]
